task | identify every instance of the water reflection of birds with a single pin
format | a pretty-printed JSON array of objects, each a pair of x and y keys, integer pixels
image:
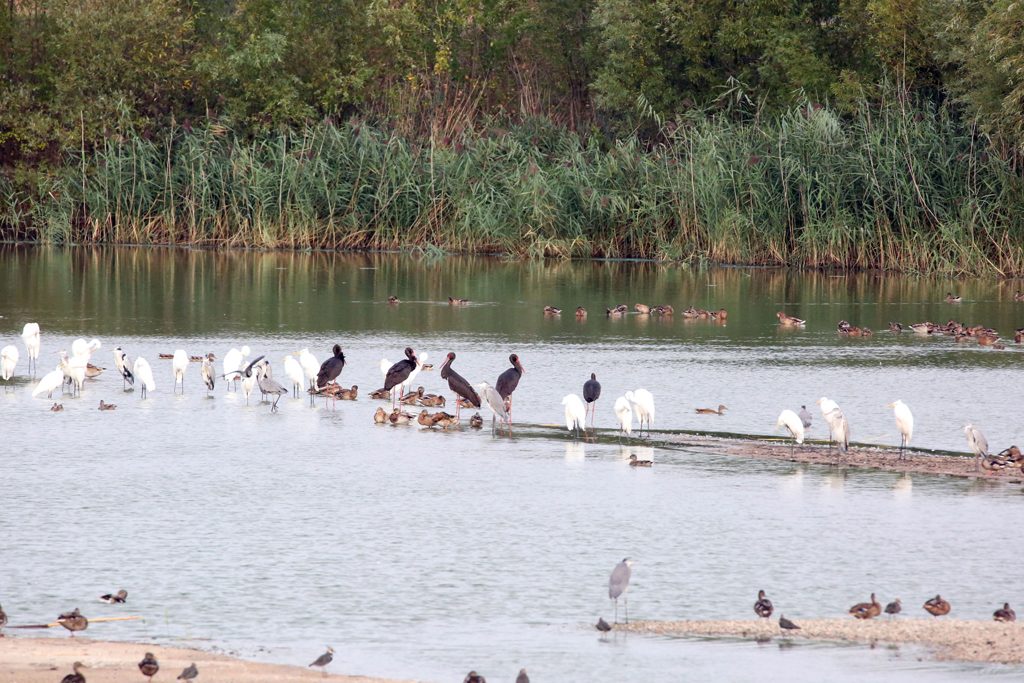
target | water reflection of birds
[
  {"x": 904, "y": 486},
  {"x": 618, "y": 582},
  {"x": 575, "y": 451}
]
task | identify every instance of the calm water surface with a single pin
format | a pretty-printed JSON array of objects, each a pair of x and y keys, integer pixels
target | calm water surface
[{"x": 422, "y": 555}]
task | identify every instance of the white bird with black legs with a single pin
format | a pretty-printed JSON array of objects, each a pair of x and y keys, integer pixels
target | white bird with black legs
[
  {"x": 144, "y": 373},
  {"x": 50, "y": 382},
  {"x": 642, "y": 403},
  {"x": 293, "y": 371},
  {"x": 179, "y": 364},
  {"x": 494, "y": 401},
  {"x": 838, "y": 429},
  {"x": 575, "y": 413},
  {"x": 234, "y": 360},
  {"x": 792, "y": 423},
  {"x": 310, "y": 366},
  {"x": 617, "y": 585},
  {"x": 31, "y": 339},
  {"x": 624, "y": 414},
  {"x": 904, "y": 423},
  {"x": 248, "y": 376},
  {"x": 977, "y": 442},
  {"x": 8, "y": 361},
  {"x": 208, "y": 373},
  {"x": 123, "y": 368}
]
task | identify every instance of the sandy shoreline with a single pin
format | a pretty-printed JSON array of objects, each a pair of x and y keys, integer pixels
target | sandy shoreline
[
  {"x": 45, "y": 660},
  {"x": 950, "y": 639}
]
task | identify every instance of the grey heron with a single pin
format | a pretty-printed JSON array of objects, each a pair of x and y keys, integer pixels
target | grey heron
[
  {"x": 208, "y": 372},
  {"x": 494, "y": 401},
  {"x": 977, "y": 442},
  {"x": 123, "y": 368},
  {"x": 617, "y": 585},
  {"x": 268, "y": 385},
  {"x": 805, "y": 417}
]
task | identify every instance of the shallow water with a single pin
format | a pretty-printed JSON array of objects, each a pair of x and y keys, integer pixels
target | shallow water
[{"x": 426, "y": 554}]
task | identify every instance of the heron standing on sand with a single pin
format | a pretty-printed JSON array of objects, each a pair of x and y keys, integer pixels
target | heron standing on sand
[
  {"x": 208, "y": 372},
  {"x": 904, "y": 423},
  {"x": 977, "y": 443},
  {"x": 617, "y": 585}
]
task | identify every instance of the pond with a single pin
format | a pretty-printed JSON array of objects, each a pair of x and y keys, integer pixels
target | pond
[{"x": 423, "y": 555}]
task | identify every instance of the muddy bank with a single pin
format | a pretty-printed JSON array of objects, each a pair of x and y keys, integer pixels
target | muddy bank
[{"x": 948, "y": 639}]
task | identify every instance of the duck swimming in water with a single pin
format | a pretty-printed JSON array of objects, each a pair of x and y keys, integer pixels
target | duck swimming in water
[
  {"x": 950, "y": 299},
  {"x": 455, "y": 301},
  {"x": 115, "y": 598},
  {"x": 581, "y": 313},
  {"x": 380, "y": 417},
  {"x": 551, "y": 310},
  {"x": 711, "y": 411},
  {"x": 789, "y": 320}
]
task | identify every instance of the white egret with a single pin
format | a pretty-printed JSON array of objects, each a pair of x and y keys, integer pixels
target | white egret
[
  {"x": 179, "y": 364},
  {"x": 293, "y": 371},
  {"x": 977, "y": 442},
  {"x": 30, "y": 337},
  {"x": 310, "y": 366},
  {"x": 792, "y": 422},
  {"x": 233, "y": 361},
  {"x": 144, "y": 373},
  {"x": 624, "y": 412},
  {"x": 50, "y": 382},
  {"x": 8, "y": 361},
  {"x": 904, "y": 422},
  {"x": 123, "y": 367},
  {"x": 494, "y": 401},
  {"x": 838, "y": 429},
  {"x": 575, "y": 413},
  {"x": 77, "y": 367},
  {"x": 642, "y": 404}
]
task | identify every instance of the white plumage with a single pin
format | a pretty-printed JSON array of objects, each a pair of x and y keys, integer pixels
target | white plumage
[
  {"x": 50, "y": 381},
  {"x": 76, "y": 369},
  {"x": 420, "y": 358},
  {"x": 838, "y": 429},
  {"x": 293, "y": 371},
  {"x": 575, "y": 412},
  {"x": 234, "y": 360},
  {"x": 904, "y": 422},
  {"x": 792, "y": 422},
  {"x": 624, "y": 413},
  {"x": 179, "y": 364},
  {"x": 30, "y": 337},
  {"x": 8, "y": 361},
  {"x": 310, "y": 366},
  {"x": 144, "y": 374},
  {"x": 493, "y": 400},
  {"x": 642, "y": 403},
  {"x": 976, "y": 441}
]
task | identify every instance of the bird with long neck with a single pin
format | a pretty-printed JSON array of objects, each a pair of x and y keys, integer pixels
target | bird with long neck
[
  {"x": 458, "y": 384},
  {"x": 508, "y": 381},
  {"x": 398, "y": 373}
]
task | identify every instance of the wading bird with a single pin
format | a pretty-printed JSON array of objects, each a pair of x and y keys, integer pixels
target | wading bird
[
  {"x": 575, "y": 413},
  {"x": 904, "y": 423},
  {"x": 522, "y": 677},
  {"x": 123, "y": 368},
  {"x": 269, "y": 385},
  {"x": 30, "y": 338},
  {"x": 208, "y": 373},
  {"x": 763, "y": 606},
  {"x": 792, "y": 423},
  {"x": 838, "y": 429},
  {"x": 867, "y": 610},
  {"x": 494, "y": 402},
  {"x": 8, "y": 361},
  {"x": 77, "y": 676},
  {"x": 331, "y": 368},
  {"x": 592, "y": 392},
  {"x": 233, "y": 361},
  {"x": 323, "y": 660},
  {"x": 787, "y": 625},
  {"x": 49, "y": 383},
  {"x": 642, "y": 403},
  {"x": 805, "y": 417},
  {"x": 617, "y": 585},
  {"x": 458, "y": 384},
  {"x": 978, "y": 444},
  {"x": 311, "y": 367},
  {"x": 508, "y": 381},
  {"x": 293, "y": 371},
  {"x": 398, "y": 374},
  {"x": 624, "y": 414},
  {"x": 179, "y": 364},
  {"x": 149, "y": 666},
  {"x": 144, "y": 373},
  {"x": 602, "y": 625}
]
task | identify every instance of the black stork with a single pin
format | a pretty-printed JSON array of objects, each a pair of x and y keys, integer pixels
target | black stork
[
  {"x": 331, "y": 368},
  {"x": 399, "y": 372},
  {"x": 459, "y": 385},
  {"x": 508, "y": 381},
  {"x": 592, "y": 392}
]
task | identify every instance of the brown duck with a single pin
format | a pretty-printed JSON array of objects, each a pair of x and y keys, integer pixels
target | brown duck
[
  {"x": 149, "y": 666},
  {"x": 711, "y": 411},
  {"x": 937, "y": 607},
  {"x": 789, "y": 320},
  {"x": 763, "y": 607},
  {"x": 1006, "y": 613},
  {"x": 73, "y": 621},
  {"x": 77, "y": 676},
  {"x": 581, "y": 313},
  {"x": 867, "y": 610}
]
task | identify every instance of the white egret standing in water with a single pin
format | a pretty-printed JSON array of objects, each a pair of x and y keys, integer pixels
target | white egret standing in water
[
  {"x": 642, "y": 403},
  {"x": 624, "y": 413},
  {"x": 8, "y": 361},
  {"x": 179, "y": 364},
  {"x": 293, "y": 371},
  {"x": 30, "y": 337},
  {"x": 233, "y": 361},
  {"x": 49, "y": 383},
  {"x": 144, "y": 373},
  {"x": 904, "y": 422},
  {"x": 575, "y": 413}
]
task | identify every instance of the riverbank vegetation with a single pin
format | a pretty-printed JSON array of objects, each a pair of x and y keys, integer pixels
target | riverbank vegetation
[{"x": 863, "y": 134}]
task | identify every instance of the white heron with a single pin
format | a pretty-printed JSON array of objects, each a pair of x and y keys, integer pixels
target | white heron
[
  {"x": 838, "y": 429},
  {"x": 904, "y": 422},
  {"x": 792, "y": 422},
  {"x": 30, "y": 337},
  {"x": 977, "y": 442},
  {"x": 80, "y": 347},
  {"x": 144, "y": 373},
  {"x": 124, "y": 368},
  {"x": 233, "y": 361},
  {"x": 179, "y": 364},
  {"x": 494, "y": 401},
  {"x": 49, "y": 383},
  {"x": 624, "y": 412},
  {"x": 310, "y": 365},
  {"x": 293, "y": 371},
  {"x": 8, "y": 361},
  {"x": 76, "y": 370},
  {"x": 575, "y": 413},
  {"x": 642, "y": 404}
]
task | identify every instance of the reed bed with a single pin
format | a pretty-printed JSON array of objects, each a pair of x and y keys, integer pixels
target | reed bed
[{"x": 884, "y": 187}]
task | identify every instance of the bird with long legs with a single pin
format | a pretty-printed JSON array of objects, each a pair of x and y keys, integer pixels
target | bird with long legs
[
  {"x": 642, "y": 403},
  {"x": 575, "y": 414},
  {"x": 247, "y": 375},
  {"x": 50, "y": 382},
  {"x": 459, "y": 385},
  {"x": 144, "y": 373},
  {"x": 329, "y": 371},
  {"x": 311, "y": 367},
  {"x": 398, "y": 374},
  {"x": 8, "y": 361},
  {"x": 838, "y": 428},
  {"x": 495, "y": 402},
  {"x": 508, "y": 381},
  {"x": 293, "y": 371},
  {"x": 618, "y": 582},
  {"x": 233, "y": 361},
  {"x": 592, "y": 392},
  {"x": 179, "y": 364},
  {"x": 208, "y": 373},
  {"x": 30, "y": 337},
  {"x": 123, "y": 368},
  {"x": 978, "y": 444},
  {"x": 793, "y": 424},
  {"x": 268, "y": 385},
  {"x": 904, "y": 423},
  {"x": 624, "y": 414}
]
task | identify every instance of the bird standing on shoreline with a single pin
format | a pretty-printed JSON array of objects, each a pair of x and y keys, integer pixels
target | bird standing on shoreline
[
  {"x": 978, "y": 444},
  {"x": 149, "y": 666},
  {"x": 77, "y": 676},
  {"x": 458, "y": 384},
  {"x": 793, "y": 424},
  {"x": 937, "y": 607},
  {"x": 618, "y": 583},
  {"x": 575, "y": 413},
  {"x": 787, "y": 625},
  {"x": 73, "y": 621},
  {"x": 323, "y": 660},
  {"x": 867, "y": 610},
  {"x": 904, "y": 423},
  {"x": 188, "y": 673},
  {"x": 894, "y": 607}
]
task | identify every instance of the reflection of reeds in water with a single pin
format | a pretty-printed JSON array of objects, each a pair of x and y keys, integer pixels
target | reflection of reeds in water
[{"x": 893, "y": 189}]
